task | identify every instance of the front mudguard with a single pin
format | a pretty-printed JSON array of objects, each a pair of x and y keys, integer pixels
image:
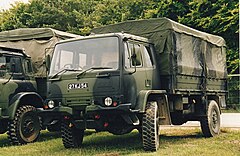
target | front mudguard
[
  {"x": 55, "y": 114},
  {"x": 160, "y": 96},
  {"x": 24, "y": 98}
]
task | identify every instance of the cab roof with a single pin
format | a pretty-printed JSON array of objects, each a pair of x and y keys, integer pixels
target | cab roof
[
  {"x": 33, "y": 33},
  {"x": 10, "y": 50},
  {"x": 118, "y": 34}
]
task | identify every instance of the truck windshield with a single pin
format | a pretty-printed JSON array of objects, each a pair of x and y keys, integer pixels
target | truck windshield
[{"x": 101, "y": 53}]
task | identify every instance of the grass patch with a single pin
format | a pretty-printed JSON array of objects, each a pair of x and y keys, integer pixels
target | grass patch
[{"x": 173, "y": 141}]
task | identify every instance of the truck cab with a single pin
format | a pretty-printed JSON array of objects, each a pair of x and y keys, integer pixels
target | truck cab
[
  {"x": 18, "y": 90},
  {"x": 101, "y": 82},
  {"x": 100, "y": 69},
  {"x": 16, "y": 75}
]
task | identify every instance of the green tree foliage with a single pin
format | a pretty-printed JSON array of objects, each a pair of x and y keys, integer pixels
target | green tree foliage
[{"x": 80, "y": 16}]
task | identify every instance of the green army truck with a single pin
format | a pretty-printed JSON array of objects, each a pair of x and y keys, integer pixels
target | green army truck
[
  {"x": 137, "y": 75},
  {"x": 23, "y": 80}
]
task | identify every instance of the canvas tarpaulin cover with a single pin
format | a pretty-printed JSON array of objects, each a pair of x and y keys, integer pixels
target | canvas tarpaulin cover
[
  {"x": 181, "y": 49},
  {"x": 35, "y": 41}
]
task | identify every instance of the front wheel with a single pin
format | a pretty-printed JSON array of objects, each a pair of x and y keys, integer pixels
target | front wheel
[
  {"x": 210, "y": 124},
  {"x": 150, "y": 127},
  {"x": 25, "y": 127},
  {"x": 72, "y": 137}
]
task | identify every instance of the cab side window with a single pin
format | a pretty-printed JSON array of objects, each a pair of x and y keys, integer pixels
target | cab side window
[
  {"x": 146, "y": 52},
  {"x": 3, "y": 67},
  {"x": 14, "y": 64},
  {"x": 132, "y": 49},
  {"x": 127, "y": 56},
  {"x": 28, "y": 66}
]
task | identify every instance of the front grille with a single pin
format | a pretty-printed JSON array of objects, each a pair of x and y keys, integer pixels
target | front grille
[{"x": 78, "y": 101}]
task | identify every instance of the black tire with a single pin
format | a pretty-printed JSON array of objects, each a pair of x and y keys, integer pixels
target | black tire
[
  {"x": 210, "y": 124},
  {"x": 25, "y": 127},
  {"x": 71, "y": 136},
  {"x": 150, "y": 127}
]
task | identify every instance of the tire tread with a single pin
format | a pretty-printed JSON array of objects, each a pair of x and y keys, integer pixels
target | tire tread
[{"x": 148, "y": 130}]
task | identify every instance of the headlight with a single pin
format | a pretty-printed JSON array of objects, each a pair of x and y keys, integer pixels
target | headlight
[
  {"x": 51, "y": 104},
  {"x": 108, "y": 101}
]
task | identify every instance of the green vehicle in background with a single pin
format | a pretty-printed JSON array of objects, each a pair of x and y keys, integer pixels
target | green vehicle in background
[
  {"x": 23, "y": 81},
  {"x": 155, "y": 72},
  {"x": 18, "y": 97}
]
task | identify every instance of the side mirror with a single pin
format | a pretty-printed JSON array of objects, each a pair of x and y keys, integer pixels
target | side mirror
[
  {"x": 48, "y": 62},
  {"x": 136, "y": 59},
  {"x": 133, "y": 60}
]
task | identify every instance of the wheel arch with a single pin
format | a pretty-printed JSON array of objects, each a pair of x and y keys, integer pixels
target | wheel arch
[
  {"x": 145, "y": 95},
  {"x": 20, "y": 99}
]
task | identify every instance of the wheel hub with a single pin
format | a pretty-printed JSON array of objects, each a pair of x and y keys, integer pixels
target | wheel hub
[
  {"x": 28, "y": 127},
  {"x": 214, "y": 119}
]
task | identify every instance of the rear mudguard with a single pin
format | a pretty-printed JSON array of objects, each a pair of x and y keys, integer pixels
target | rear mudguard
[{"x": 24, "y": 98}]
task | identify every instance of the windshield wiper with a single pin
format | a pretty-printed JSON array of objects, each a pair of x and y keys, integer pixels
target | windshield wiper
[
  {"x": 62, "y": 71},
  {"x": 92, "y": 68}
]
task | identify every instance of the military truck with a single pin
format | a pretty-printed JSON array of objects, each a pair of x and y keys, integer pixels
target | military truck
[
  {"x": 137, "y": 75},
  {"x": 23, "y": 80}
]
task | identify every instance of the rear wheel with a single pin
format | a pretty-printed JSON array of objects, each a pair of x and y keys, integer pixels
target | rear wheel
[
  {"x": 210, "y": 124},
  {"x": 150, "y": 127},
  {"x": 25, "y": 127},
  {"x": 72, "y": 137}
]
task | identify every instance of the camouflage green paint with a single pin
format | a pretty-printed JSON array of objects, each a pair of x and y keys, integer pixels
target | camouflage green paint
[
  {"x": 129, "y": 88},
  {"x": 181, "y": 90},
  {"x": 164, "y": 82},
  {"x": 5, "y": 91},
  {"x": 11, "y": 85}
]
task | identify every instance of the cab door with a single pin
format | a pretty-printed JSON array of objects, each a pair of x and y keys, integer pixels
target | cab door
[
  {"x": 152, "y": 74},
  {"x": 135, "y": 77}
]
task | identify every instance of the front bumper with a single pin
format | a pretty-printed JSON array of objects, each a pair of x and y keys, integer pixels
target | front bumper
[
  {"x": 65, "y": 110},
  {"x": 121, "y": 108},
  {"x": 57, "y": 113}
]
